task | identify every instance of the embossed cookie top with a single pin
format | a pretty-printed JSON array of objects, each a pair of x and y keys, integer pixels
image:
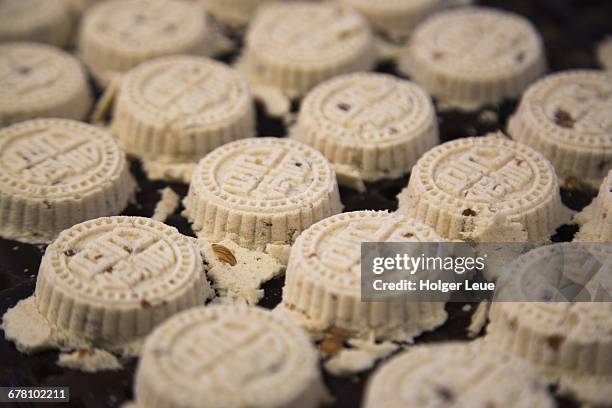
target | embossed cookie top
[
  {"x": 456, "y": 374},
  {"x": 573, "y": 108},
  {"x": 122, "y": 260},
  {"x": 330, "y": 250},
  {"x": 194, "y": 89},
  {"x": 485, "y": 174},
  {"x": 226, "y": 355},
  {"x": 36, "y": 74},
  {"x": 476, "y": 42},
  {"x": 57, "y": 159},
  {"x": 367, "y": 109},
  {"x": 141, "y": 26},
  {"x": 308, "y": 33},
  {"x": 264, "y": 175}
]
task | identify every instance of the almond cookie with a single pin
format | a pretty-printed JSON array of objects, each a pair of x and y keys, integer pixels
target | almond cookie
[
  {"x": 462, "y": 187},
  {"x": 55, "y": 173},
  {"x": 112, "y": 280},
  {"x": 261, "y": 190},
  {"x": 595, "y": 224},
  {"x": 117, "y": 35},
  {"x": 456, "y": 375},
  {"x": 568, "y": 118},
  {"x": 474, "y": 56},
  {"x": 571, "y": 343},
  {"x": 323, "y": 279},
  {"x": 370, "y": 126},
  {"x": 234, "y": 13},
  {"x": 228, "y": 356},
  {"x": 38, "y": 80},
  {"x": 104, "y": 284},
  {"x": 397, "y": 19},
  {"x": 115, "y": 278},
  {"x": 176, "y": 109},
  {"x": 294, "y": 46},
  {"x": 45, "y": 21}
]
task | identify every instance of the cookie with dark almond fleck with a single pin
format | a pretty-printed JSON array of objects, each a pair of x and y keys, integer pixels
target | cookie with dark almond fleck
[{"x": 568, "y": 118}]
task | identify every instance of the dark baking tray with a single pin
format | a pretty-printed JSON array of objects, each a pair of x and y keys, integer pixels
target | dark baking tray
[{"x": 571, "y": 29}]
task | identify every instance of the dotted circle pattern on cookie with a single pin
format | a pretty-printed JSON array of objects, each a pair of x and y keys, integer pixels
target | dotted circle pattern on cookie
[
  {"x": 374, "y": 122},
  {"x": 456, "y": 373},
  {"x": 368, "y": 108},
  {"x": 264, "y": 174},
  {"x": 568, "y": 117},
  {"x": 482, "y": 176},
  {"x": 46, "y": 21},
  {"x": 122, "y": 261},
  {"x": 192, "y": 86},
  {"x": 473, "y": 165},
  {"x": 38, "y": 80},
  {"x": 181, "y": 108},
  {"x": 228, "y": 356},
  {"x": 323, "y": 278},
  {"x": 57, "y": 159},
  {"x": 330, "y": 250}
]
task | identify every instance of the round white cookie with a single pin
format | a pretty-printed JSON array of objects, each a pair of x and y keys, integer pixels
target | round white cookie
[
  {"x": 596, "y": 219},
  {"x": 117, "y": 35},
  {"x": 38, "y": 80},
  {"x": 228, "y": 356},
  {"x": 234, "y": 13},
  {"x": 568, "y": 118},
  {"x": 456, "y": 375},
  {"x": 296, "y": 45},
  {"x": 474, "y": 56},
  {"x": 464, "y": 185},
  {"x": 55, "y": 173},
  {"x": 176, "y": 109},
  {"x": 396, "y": 19},
  {"x": 112, "y": 280},
  {"x": 45, "y": 21},
  {"x": 571, "y": 343},
  {"x": 323, "y": 279},
  {"x": 260, "y": 191},
  {"x": 370, "y": 126}
]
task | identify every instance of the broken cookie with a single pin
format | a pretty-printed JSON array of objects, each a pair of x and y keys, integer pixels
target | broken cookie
[
  {"x": 466, "y": 187},
  {"x": 106, "y": 283}
]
